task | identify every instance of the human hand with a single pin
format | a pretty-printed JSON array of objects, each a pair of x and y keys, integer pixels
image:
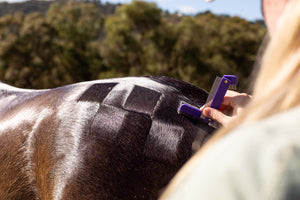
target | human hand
[{"x": 232, "y": 105}]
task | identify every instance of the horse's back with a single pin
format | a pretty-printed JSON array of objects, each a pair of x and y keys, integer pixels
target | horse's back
[{"x": 108, "y": 139}]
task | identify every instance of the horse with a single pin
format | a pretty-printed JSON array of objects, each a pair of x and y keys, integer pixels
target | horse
[{"x": 110, "y": 139}]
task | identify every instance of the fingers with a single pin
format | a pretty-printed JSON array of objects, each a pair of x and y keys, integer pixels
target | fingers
[
  {"x": 231, "y": 106},
  {"x": 232, "y": 99},
  {"x": 217, "y": 115}
]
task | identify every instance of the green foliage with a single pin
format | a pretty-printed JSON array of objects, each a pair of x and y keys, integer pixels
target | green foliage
[
  {"x": 46, "y": 51},
  {"x": 78, "y": 26},
  {"x": 75, "y": 42},
  {"x": 128, "y": 35}
]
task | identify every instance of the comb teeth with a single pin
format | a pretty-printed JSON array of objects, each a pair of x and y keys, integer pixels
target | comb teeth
[
  {"x": 213, "y": 89},
  {"x": 232, "y": 87}
]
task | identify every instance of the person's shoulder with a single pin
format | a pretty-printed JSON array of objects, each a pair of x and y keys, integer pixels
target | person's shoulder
[
  {"x": 248, "y": 163},
  {"x": 267, "y": 139},
  {"x": 263, "y": 155},
  {"x": 280, "y": 128}
]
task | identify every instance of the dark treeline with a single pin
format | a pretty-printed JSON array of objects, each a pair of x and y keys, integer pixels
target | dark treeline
[
  {"x": 42, "y": 6},
  {"x": 76, "y": 41}
]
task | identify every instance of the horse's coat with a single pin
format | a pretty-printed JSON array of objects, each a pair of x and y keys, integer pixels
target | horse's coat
[{"x": 109, "y": 139}]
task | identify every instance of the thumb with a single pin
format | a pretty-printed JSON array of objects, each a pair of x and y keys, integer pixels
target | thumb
[{"x": 216, "y": 115}]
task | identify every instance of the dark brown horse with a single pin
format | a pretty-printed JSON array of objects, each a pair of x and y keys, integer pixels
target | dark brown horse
[{"x": 113, "y": 139}]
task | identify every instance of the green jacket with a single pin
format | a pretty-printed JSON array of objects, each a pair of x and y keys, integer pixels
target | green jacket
[{"x": 255, "y": 162}]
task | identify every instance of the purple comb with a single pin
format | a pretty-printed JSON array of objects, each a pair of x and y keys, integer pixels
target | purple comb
[
  {"x": 224, "y": 84},
  {"x": 217, "y": 93}
]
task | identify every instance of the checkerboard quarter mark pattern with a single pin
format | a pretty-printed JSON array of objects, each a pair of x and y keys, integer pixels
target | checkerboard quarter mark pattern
[
  {"x": 137, "y": 141},
  {"x": 97, "y": 92},
  {"x": 133, "y": 98},
  {"x": 154, "y": 104},
  {"x": 124, "y": 107},
  {"x": 142, "y": 100}
]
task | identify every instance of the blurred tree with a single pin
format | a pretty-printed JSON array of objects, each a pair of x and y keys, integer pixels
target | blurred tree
[
  {"x": 128, "y": 35},
  {"x": 190, "y": 53},
  {"x": 240, "y": 45},
  {"x": 10, "y": 26},
  {"x": 78, "y": 26},
  {"x": 232, "y": 44},
  {"x": 160, "y": 49},
  {"x": 29, "y": 60},
  {"x": 41, "y": 52},
  {"x": 73, "y": 42}
]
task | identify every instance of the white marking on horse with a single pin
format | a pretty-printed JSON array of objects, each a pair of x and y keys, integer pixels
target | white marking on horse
[
  {"x": 73, "y": 125},
  {"x": 38, "y": 117},
  {"x": 28, "y": 115}
]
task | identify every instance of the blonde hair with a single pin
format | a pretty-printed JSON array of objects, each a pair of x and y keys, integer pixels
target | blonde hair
[{"x": 277, "y": 87}]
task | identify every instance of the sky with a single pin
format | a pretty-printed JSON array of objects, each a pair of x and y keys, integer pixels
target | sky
[{"x": 247, "y": 9}]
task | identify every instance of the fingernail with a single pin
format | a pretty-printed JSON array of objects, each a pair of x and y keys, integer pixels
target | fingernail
[{"x": 207, "y": 112}]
